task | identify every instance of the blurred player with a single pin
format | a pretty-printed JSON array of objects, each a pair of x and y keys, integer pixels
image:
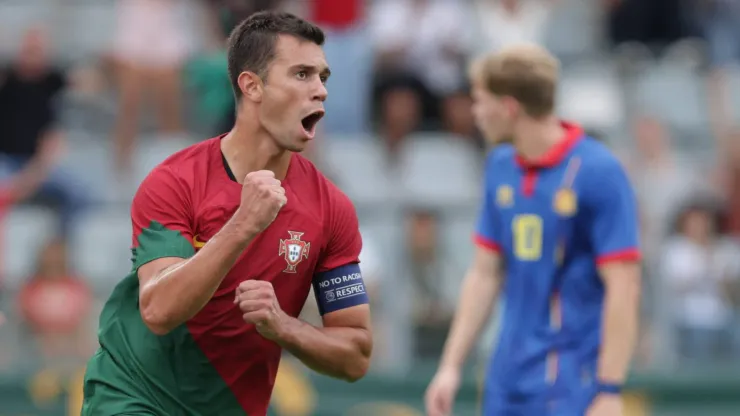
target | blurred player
[
  {"x": 559, "y": 215},
  {"x": 229, "y": 235}
]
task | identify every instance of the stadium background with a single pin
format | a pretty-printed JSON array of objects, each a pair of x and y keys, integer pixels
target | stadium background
[{"x": 110, "y": 88}]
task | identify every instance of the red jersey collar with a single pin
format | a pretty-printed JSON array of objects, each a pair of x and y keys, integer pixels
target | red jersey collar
[{"x": 558, "y": 152}]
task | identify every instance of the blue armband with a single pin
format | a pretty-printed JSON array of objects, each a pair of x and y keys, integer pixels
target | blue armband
[{"x": 339, "y": 288}]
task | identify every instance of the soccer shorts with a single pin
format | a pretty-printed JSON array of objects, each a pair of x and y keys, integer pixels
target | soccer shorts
[{"x": 574, "y": 405}]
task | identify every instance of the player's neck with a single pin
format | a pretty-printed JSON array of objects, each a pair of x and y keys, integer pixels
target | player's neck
[
  {"x": 252, "y": 149},
  {"x": 533, "y": 138}
]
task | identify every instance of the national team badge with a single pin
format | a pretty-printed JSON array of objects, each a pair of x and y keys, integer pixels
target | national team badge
[
  {"x": 505, "y": 196},
  {"x": 565, "y": 202},
  {"x": 294, "y": 250}
]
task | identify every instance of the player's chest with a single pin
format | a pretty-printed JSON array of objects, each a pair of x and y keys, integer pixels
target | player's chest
[
  {"x": 538, "y": 222},
  {"x": 285, "y": 253}
]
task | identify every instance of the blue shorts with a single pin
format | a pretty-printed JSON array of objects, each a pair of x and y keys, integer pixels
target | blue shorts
[{"x": 575, "y": 404}]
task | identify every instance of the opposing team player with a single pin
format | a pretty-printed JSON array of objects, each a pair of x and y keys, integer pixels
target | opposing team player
[
  {"x": 559, "y": 216},
  {"x": 229, "y": 236}
]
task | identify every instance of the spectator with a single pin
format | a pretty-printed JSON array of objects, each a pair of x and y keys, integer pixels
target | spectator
[
  {"x": 501, "y": 23},
  {"x": 29, "y": 90},
  {"x": 698, "y": 265},
  {"x": 427, "y": 268},
  {"x": 729, "y": 163},
  {"x": 721, "y": 25},
  {"x": 55, "y": 305},
  {"x": 13, "y": 190},
  {"x": 24, "y": 183},
  {"x": 655, "y": 23},
  {"x": 349, "y": 54},
  {"x": 661, "y": 179},
  {"x": 420, "y": 50},
  {"x": 150, "y": 48}
]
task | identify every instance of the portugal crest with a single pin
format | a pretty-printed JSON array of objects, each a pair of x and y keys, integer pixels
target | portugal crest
[{"x": 294, "y": 250}]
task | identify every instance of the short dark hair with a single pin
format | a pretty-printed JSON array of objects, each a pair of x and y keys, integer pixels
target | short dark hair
[{"x": 252, "y": 42}]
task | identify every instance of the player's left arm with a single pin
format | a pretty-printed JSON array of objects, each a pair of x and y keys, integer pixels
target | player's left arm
[
  {"x": 614, "y": 236},
  {"x": 342, "y": 347}
]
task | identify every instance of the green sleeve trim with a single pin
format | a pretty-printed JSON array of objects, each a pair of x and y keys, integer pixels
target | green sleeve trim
[{"x": 158, "y": 241}]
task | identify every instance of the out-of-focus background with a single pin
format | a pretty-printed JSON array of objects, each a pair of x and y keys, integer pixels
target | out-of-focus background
[{"x": 94, "y": 93}]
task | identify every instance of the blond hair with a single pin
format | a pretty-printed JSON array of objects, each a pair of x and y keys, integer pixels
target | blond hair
[{"x": 527, "y": 73}]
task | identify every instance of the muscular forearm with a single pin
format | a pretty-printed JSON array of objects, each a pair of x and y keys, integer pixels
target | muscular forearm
[
  {"x": 478, "y": 294},
  {"x": 620, "y": 327},
  {"x": 337, "y": 352},
  {"x": 179, "y": 291}
]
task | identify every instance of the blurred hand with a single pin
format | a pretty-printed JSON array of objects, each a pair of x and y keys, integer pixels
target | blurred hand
[
  {"x": 606, "y": 405},
  {"x": 440, "y": 395},
  {"x": 259, "y": 305},
  {"x": 51, "y": 148}
]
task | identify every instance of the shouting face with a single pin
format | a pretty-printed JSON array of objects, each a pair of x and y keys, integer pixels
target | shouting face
[{"x": 293, "y": 91}]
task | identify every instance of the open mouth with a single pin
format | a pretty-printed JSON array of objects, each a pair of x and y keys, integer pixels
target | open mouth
[{"x": 309, "y": 122}]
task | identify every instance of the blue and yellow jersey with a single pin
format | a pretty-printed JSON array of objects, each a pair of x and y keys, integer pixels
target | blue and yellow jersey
[{"x": 554, "y": 221}]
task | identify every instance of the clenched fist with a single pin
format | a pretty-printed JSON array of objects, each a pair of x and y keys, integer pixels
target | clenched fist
[
  {"x": 259, "y": 306},
  {"x": 262, "y": 199}
]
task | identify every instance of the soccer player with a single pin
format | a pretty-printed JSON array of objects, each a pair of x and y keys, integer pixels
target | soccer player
[
  {"x": 559, "y": 216},
  {"x": 228, "y": 237}
]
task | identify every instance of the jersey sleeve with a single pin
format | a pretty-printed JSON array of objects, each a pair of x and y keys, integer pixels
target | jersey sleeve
[
  {"x": 345, "y": 242},
  {"x": 614, "y": 225},
  {"x": 161, "y": 219},
  {"x": 487, "y": 232}
]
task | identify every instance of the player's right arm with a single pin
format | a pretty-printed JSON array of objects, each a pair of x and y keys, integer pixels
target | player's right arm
[
  {"x": 175, "y": 283},
  {"x": 480, "y": 289}
]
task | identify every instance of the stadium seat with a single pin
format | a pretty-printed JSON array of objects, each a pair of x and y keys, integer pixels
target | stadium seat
[
  {"x": 359, "y": 167},
  {"x": 456, "y": 247},
  {"x": 574, "y": 28},
  {"x": 383, "y": 243},
  {"x": 591, "y": 93},
  {"x": 153, "y": 150},
  {"x": 84, "y": 30},
  {"x": 675, "y": 94},
  {"x": 101, "y": 247},
  {"x": 89, "y": 163},
  {"x": 733, "y": 76},
  {"x": 439, "y": 170},
  {"x": 26, "y": 230}
]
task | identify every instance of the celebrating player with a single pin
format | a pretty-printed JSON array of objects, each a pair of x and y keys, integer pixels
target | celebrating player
[
  {"x": 560, "y": 216},
  {"x": 229, "y": 236}
]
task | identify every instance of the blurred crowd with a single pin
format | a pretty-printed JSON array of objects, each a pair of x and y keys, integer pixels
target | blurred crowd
[{"x": 93, "y": 93}]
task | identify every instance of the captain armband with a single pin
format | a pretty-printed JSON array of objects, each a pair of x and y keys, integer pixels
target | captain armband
[{"x": 340, "y": 288}]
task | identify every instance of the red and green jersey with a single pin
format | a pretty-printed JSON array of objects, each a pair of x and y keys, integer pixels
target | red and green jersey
[{"x": 215, "y": 364}]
